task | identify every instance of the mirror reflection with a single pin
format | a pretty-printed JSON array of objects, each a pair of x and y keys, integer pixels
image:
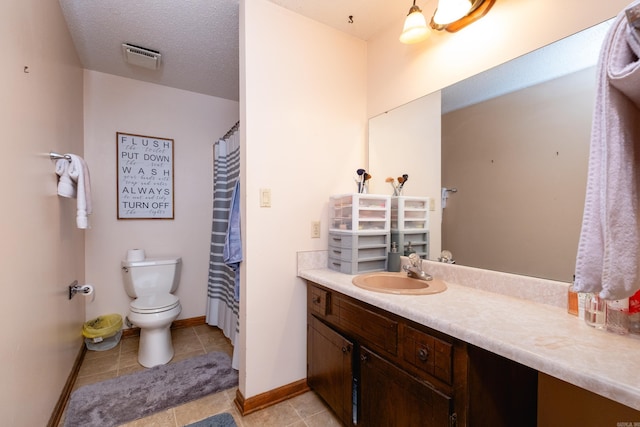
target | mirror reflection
[{"x": 514, "y": 142}]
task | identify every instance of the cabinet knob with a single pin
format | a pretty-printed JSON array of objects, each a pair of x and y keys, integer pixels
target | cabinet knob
[
  {"x": 346, "y": 348},
  {"x": 423, "y": 354},
  {"x": 363, "y": 357},
  {"x": 315, "y": 299}
]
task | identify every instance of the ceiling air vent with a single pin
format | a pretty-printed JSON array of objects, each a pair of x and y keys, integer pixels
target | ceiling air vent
[{"x": 141, "y": 56}]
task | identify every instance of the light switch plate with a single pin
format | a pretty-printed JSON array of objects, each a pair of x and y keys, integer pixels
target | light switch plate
[
  {"x": 265, "y": 197},
  {"x": 315, "y": 229}
]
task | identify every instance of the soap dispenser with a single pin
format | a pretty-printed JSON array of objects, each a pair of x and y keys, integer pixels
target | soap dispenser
[
  {"x": 393, "y": 258},
  {"x": 409, "y": 249}
]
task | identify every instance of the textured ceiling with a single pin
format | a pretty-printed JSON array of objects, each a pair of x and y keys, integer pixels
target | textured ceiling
[{"x": 198, "y": 39}]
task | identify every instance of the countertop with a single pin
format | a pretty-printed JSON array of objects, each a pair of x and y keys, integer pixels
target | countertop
[{"x": 539, "y": 335}]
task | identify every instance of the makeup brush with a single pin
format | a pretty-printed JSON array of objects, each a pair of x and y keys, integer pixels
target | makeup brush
[
  {"x": 361, "y": 173},
  {"x": 393, "y": 184},
  {"x": 402, "y": 180}
]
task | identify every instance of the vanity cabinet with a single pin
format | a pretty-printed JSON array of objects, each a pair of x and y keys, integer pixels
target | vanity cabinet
[
  {"x": 393, "y": 397},
  {"x": 330, "y": 367},
  {"x": 374, "y": 368}
]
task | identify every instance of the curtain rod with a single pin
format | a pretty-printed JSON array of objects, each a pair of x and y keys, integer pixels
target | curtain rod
[{"x": 231, "y": 131}]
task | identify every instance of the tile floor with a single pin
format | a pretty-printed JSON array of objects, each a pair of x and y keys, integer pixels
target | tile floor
[{"x": 306, "y": 410}]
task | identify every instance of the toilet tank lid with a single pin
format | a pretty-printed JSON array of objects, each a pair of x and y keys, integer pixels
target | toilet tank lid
[{"x": 151, "y": 261}]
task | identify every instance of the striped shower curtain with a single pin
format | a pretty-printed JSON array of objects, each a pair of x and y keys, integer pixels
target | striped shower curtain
[{"x": 222, "y": 307}]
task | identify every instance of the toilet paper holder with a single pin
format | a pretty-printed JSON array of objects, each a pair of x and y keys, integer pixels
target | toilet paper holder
[{"x": 74, "y": 288}]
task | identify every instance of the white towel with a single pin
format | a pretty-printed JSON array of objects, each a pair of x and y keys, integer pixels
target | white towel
[
  {"x": 66, "y": 186},
  {"x": 609, "y": 248},
  {"x": 79, "y": 173}
]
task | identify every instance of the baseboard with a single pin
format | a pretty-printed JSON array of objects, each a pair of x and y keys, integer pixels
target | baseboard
[
  {"x": 261, "y": 401},
  {"x": 181, "y": 323},
  {"x": 56, "y": 416},
  {"x": 58, "y": 410}
]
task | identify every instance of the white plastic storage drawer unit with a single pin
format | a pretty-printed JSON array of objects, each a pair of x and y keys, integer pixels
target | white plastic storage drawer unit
[
  {"x": 409, "y": 213},
  {"x": 362, "y": 213},
  {"x": 355, "y": 253}
]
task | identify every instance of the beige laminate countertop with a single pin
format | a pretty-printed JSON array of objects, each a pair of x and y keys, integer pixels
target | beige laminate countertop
[{"x": 542, "y": 336}]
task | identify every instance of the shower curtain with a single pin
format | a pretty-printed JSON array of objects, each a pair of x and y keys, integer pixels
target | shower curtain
[{"x": 222, "y": 305}]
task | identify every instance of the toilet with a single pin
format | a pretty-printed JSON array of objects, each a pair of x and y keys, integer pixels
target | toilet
[{"x": 151, "y": 282}]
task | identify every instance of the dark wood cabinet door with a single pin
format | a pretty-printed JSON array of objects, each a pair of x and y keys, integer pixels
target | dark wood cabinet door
[
  {"x": 390, "y": 397},
  {"x": 330, "y": 367}
]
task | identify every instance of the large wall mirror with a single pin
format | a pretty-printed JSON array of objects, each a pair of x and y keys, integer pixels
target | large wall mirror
[{"x": 513, "y": 141}]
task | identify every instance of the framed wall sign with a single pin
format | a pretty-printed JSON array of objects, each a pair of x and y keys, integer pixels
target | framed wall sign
[{"x": 145, "y": 176}]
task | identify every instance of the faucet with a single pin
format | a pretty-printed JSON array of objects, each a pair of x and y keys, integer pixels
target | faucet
[{"x": 414, "y": 268}]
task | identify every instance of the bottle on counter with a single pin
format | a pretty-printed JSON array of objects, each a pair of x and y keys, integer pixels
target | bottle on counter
[
  {"x": 634, "y": 313},
  {"x": 617, "y": 318},
  {"x": 572, "y": 300},
  {"x": 393, "y": 259},
  {"x": 594, "y": 311},
  {"x": 409, "y": 249},
  {"x": 575, "y": 301}
]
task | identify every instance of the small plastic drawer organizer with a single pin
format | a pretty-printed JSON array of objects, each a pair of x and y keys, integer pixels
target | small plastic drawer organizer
[
  {"x": 419, "y": 241},
  {"x": 360, "y": 212},
  {"x": 355, "y": 253},
  {"x": 409, "y": 213}
]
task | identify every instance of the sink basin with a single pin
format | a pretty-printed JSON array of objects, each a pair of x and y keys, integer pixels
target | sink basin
[{"x": 398, "y": 283}]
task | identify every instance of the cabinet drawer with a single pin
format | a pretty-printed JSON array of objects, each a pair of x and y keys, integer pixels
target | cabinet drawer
[
  {"x": 378, "y": 331},
  {"x": 352, "y": 240},
  {"x": 359, "y": 267},
  {"x": 354, "y": 255},
  {"x": 319, "y": 301},
  {"x": 427, "y": 353}
]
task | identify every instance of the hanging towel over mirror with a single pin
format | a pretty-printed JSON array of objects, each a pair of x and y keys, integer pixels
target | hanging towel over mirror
[{"x": 609, "y": 249}]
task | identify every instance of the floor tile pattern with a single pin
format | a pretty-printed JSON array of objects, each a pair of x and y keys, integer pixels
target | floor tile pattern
[{"x": 306, "y": 410}]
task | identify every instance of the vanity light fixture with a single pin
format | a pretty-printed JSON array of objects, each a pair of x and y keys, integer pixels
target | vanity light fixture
[
  {"x": 449, "y": 11},
  {"x": 415, "y": 26},
  {"x": 453, "y": 15}
]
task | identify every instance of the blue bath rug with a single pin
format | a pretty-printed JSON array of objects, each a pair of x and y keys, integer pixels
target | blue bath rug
[{"x": 220, "y": 420}]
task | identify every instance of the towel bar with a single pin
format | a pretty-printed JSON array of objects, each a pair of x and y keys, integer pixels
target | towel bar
[{"x": 56, "y": 156}]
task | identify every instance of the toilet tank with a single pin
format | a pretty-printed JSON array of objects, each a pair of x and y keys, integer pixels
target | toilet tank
[{"x": 151, "y": 276}]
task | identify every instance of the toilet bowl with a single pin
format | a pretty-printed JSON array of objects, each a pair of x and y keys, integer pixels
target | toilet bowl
[{"x": 154, "y": 308}]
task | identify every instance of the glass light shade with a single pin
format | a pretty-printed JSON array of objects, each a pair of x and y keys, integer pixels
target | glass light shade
[
  {"x": 415, "y": 28},
  {"x": 449, "y": 11}
]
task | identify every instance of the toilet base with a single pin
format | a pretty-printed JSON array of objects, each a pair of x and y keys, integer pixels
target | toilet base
[{"x": 156, "y": 347}]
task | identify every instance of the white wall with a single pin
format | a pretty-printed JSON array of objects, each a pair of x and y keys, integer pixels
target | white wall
[
  {"x": 302, "y": 100},
  {"x": 194, "y": 121},
  {"x": 407, "y": 140},
  {"x": 303, "y": 128},
  {"x": 398, "y": 73},
  {"x": 41, "y": 249}
]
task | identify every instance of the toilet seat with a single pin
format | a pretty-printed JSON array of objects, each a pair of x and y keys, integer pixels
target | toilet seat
[{"x": 154, "y": 303}]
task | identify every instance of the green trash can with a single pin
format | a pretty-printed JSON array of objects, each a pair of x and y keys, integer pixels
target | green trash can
[{"x": 102, "y": 333}]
